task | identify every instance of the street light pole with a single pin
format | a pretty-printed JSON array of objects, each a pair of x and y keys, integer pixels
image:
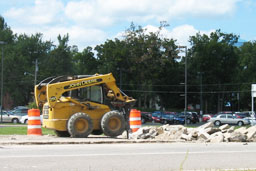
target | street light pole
[
  {"x": 201, "y": 92},
  {"x": 186, "y": 85},
  {"x": 186, "y": 79},
  {"x": 2, "y": 79}
]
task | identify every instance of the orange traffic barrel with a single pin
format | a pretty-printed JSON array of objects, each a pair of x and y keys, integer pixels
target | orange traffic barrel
[
  {"x": 34, "y": 122},
  {"x": 135, "y": 120}
]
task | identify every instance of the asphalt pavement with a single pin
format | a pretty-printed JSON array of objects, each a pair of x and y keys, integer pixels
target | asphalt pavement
[{"x": 130, "y": 157}]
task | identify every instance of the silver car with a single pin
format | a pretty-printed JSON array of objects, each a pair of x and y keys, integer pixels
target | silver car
[
  {"x": 10, "y": 117},
  {"x": 228, "y": 119}
]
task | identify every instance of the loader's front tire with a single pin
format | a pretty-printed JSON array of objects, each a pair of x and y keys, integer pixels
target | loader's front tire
[
  {"x": 113, "y": 124},
  {"x": 80, "y": 125}
]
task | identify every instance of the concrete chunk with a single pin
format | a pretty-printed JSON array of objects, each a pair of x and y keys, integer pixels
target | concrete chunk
[
  {"x": 227, "y": 137},
  {"x": 186, "y": 137},
  {"x": 231, "y": 129},
  {"x": 207, "y": 125},
  {"x": 237, "y": 137},
  {"x": 217, "y": 137},
  {"x": 160, "y": 130},
  {"x": 242, "y": 130},
  {"x": 203, "y": 135},
  {"x": 251, "y": 133},
  {"x": 224, "y": 127}
]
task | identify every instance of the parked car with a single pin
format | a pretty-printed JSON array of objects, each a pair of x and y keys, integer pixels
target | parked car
[
  {"x": 228, "y": 119},
  {"x": 8, "y": 116},
  {"x": 246, "y": 114},
  {"x": 224, "y": 112},
  {"x": 191, "y": 118},
  {"x": 20, "y": 107},
  {"x": 24, "y": 119},
  {"x": 156, "y": 116},
  {"x": 146, "y": 117},
  {"x": 20, "y": 111},
  {"x": 206, "y": 117},
  {"x": 168, "y": 118},
  {"x": 195, "y": 117},
  {"x": 179, "y": 119},
  {"x": 252, "y": 121}
]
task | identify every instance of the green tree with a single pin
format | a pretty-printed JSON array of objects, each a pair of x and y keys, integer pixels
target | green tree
[
  {"x": 20, "y": 60},
  {"x": 247, "y": 72},
  {"x": 6, "y": 33},
  {"x": 139, "y": 61},
  {"x": 59, "y": 61},
  {"x": 214, "y": 56},
  {"x": 85, "y": 62}
]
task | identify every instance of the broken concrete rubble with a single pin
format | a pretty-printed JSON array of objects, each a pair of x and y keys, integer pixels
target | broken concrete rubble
[
  {"x": 217, "y": 137},
  {"x": 204, "y": 133},
  {"x": 224, "y": 127},
  {"x": 242, "y": 130},
  {"x": 237, "y": 137}
]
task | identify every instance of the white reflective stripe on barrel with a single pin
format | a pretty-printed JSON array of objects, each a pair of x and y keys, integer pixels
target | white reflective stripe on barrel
[
  {"x": 135, "y": 119},
  {"x": 135, "y": 126},
  {"x": 34, "y": 126},
  {"x": 34, "y": 118}
]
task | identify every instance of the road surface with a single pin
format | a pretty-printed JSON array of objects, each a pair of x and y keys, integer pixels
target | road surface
[{"x": 129, "y": 157}]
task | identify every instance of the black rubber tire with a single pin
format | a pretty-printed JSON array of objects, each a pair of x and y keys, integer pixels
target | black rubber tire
[
  {"x": 188, "y": 121},
  {"x": 15, "y": 120},
  {"x": 217, "y": 123},
  {"x": 62, "y": 133},
  {"x": 80, "y": 125},
  {"x": 240, "y": 123},
  {"x": 26, "y": 121},
  {"x": 113, "y": 123}
]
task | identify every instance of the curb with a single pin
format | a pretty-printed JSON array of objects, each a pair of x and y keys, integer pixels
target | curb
[
  {"x": 83, "y": 142},
  {"x": 51, "y": 140}
]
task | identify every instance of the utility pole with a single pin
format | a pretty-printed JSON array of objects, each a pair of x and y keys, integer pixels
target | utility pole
[
  {"x": 201, "y": 93},
  {"x": 36, "y": 70},
  {"x": 2, "y": 79}
]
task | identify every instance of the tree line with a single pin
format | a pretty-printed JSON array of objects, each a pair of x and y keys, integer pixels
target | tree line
[{"x": 147, "y": 66}]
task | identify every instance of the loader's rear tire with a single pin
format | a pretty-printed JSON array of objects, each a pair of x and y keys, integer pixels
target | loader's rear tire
[
  {"x": 113, "y": 124},
  {"x": 62, "y": 133},
  {"x": 80, "y": 125}
]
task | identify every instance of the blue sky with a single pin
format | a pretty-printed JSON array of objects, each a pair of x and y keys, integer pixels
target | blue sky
[{"x": 91, "y": 22}]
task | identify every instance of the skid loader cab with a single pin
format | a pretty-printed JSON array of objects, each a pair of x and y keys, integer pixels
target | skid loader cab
[{"x": 83, "y": 105}]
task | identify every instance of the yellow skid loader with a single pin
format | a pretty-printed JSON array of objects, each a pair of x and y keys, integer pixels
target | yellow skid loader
[{"x": 81, "y": 105}]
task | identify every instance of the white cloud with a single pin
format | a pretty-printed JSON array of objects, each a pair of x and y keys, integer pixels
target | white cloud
[
  {"x": 87, "y": 14},
  {"x": 77, "y": 35},
  {"x": 179, "y": 33},
  {"x": 202, "y": 7},
  {"x": 43, "y": 12},
  {"x": 85, "y": 20},
  {"x": 107, "y": 12}
]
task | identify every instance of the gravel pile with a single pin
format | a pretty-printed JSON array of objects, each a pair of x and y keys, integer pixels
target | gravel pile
[{"x": 204, "y": 133}]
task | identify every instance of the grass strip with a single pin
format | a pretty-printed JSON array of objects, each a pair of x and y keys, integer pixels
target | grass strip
[{"x": 22, "y": 130}]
